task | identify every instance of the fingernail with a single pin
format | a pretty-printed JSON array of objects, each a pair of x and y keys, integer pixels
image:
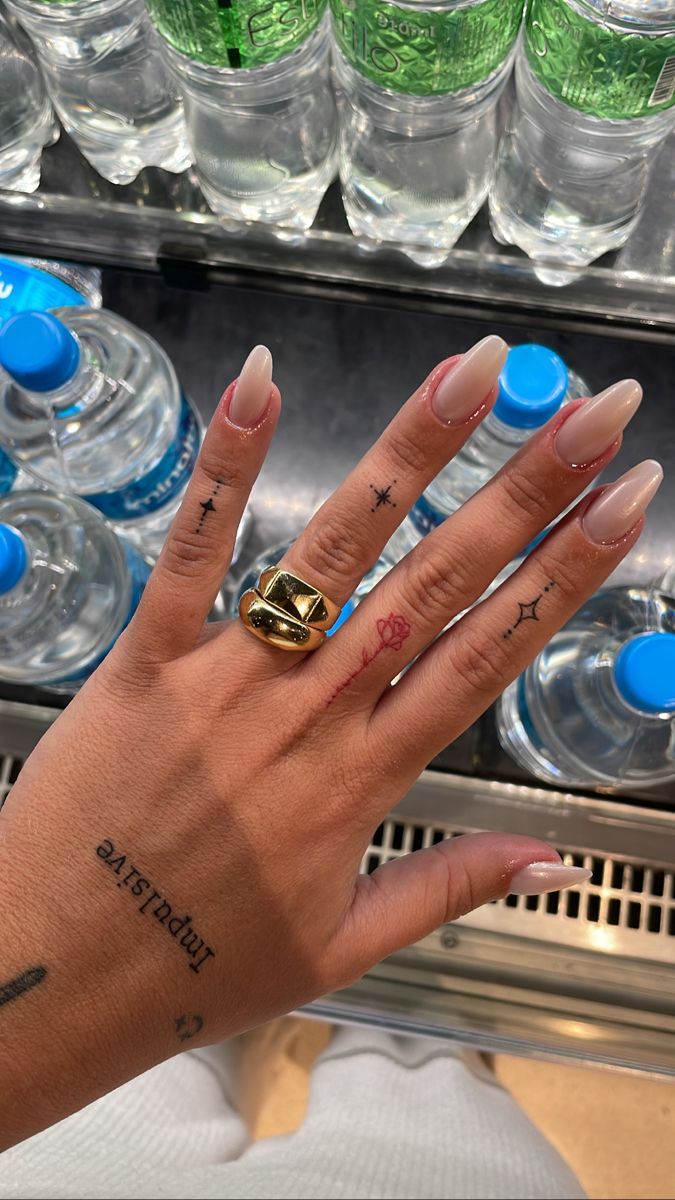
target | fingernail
[
  {"x": 542, "y": 877},
  {"x": 615, "y": 511},
  {"x": 597, "y": 423},
  {"x": 462, "y": 391},
  {"x": 252, "y": 390}
]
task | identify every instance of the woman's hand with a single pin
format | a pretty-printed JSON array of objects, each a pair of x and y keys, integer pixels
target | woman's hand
[{"x": 180, "y": 856}]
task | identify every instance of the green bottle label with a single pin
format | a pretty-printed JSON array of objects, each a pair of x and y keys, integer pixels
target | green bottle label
[
  {"x": 426, "y": 51},
  {"x": 599, "y": 70},
  {"x": 236, "y": 33}
]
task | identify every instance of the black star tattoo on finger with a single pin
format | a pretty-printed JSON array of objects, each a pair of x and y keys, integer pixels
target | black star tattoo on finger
[
  {"x": 207, "y": 506},
  {"x": 382, "y": 496},
  {"x": 528, "y": 611}
]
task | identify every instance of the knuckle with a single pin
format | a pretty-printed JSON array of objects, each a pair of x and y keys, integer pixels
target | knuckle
[
  {"x": 185, "y": 555},
  {"x": 229, "y": 477},
  {"x": 522, "y": 493},
  {"x": 459, "y": 890},
  {"x": 405, "y": 454},
  {"x": 560, "y": 570},
  {"x": 333, "y": 549},
  {"x": 482, "y": 667},
  {"x": 440, "y": 584}
]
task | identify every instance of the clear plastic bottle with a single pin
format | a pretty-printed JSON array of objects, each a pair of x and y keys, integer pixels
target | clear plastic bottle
[
  {"x": 597, "y": 706},
  {"x": 109, "y": 83},
  {"x": 596, "y": 85},
  {"x": 260, "y": 110},
  {"x": 533, "y": 385},
  {"x": 43, "y": 283},
  {"x": 419, "y": 88},
  {"x": 91, "y": 405},
  {"x": 68, "y": 587},
  {"x": 26, "y": 117}
]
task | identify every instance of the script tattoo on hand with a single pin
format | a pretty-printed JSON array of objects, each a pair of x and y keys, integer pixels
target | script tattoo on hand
[
  {"x": 392, "y": 631},
  {"x": 188, "y": 1025},
  {"x": 189, "y": 940},
  {"x": 529, "y": 610},
  {"x": 21, "y": 984}
]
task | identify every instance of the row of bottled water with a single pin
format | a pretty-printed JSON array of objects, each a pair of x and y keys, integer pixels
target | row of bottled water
[
  {"x": 97, "y": 444},
  {"x": 243, "y": 90},
  {"x": 92, "y": 412}
]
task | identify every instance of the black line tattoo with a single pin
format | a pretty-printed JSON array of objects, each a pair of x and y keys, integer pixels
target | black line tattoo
[
  {"x": 190, "y": 940},
  {"x": 528, "y": 612},
  {"x": 207, "y": 506},
  {"x": 188, "y": 1025},
  {"x": 382, "y": 496},
  {"x": 22, "y": 983}
]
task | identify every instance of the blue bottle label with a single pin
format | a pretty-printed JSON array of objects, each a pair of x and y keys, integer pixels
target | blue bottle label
[
  {"x": 160, "y": 485},
  {"x": 139, "y": 572},
  {"x": 426, "y": 516},
  {"x": 8, "y": 473},
  {"x": 28, "y": 289}
]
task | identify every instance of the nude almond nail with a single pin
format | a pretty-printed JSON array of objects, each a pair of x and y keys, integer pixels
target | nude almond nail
[
  {"x": 616, "y": 510},
  {"x": 541, "y": 877},
  {"x": 252, "y": 390},
  {"x": 465, "y": 385},
  {"x": 592, "y": 428}
]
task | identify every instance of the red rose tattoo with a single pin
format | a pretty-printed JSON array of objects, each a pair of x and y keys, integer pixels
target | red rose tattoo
[{"x": 392, "y": 631}]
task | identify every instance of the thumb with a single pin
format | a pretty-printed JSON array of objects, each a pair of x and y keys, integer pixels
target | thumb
[{"x": 404, "y": 900}]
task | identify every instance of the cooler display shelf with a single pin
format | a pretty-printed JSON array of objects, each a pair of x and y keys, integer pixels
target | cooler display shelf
[{"x": 163, "y": 218}]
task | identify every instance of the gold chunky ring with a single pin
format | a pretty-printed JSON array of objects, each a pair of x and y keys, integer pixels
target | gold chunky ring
[
  {"x": 278, "y": 628},
  {"x": 298, "y": 598}
]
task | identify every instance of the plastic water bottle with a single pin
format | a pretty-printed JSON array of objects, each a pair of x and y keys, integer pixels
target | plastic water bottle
[
  {"x": 41, "y": 283},
  {"x": 596, "y": 86},
  {"x": 68, "y": 587},
  {"x": 597, "y": 707},
  {"x": 418, "y": 115},
  {"x": 26, "y": 118},
  {"x": 92, "y": 405},
  {"x": 533, "y": 385},
  {"x": 260, "y": 111},
  {"x": 108, "y": 82}
]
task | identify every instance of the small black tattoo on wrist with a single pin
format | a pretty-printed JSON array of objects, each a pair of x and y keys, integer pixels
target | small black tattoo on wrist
[
  {"x": 207, "y": 506},
  {"x": 23, "y": 983},
  {"x": 187, "y": 1025},
  {"x": 178, "y": 927},
  {"x": 529, "y": 611},
  {"x": 382, "y": 496}
]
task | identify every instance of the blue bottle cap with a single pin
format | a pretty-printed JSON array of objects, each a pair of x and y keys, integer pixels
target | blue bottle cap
[
  {"x": 532, "y": 386},
  {"x": 13, "y": 557},
  {"x": 345, "y": 614},
  {"x": 38, "y": 351},
  {"x": 644, "y": 672}
]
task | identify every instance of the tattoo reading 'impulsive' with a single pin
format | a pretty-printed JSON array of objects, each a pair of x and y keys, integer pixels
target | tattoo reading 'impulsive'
[{"x": 178, "y": 927}]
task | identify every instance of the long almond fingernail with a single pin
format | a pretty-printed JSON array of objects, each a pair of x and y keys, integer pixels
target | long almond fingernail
[
  {"x": 542, "y": 877},
  {"x": 593, "y": 427},
  {"x": 252, "y": 390},
  {"x": 462, "y": 390},
  {"x": 616, "y": 510}
]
